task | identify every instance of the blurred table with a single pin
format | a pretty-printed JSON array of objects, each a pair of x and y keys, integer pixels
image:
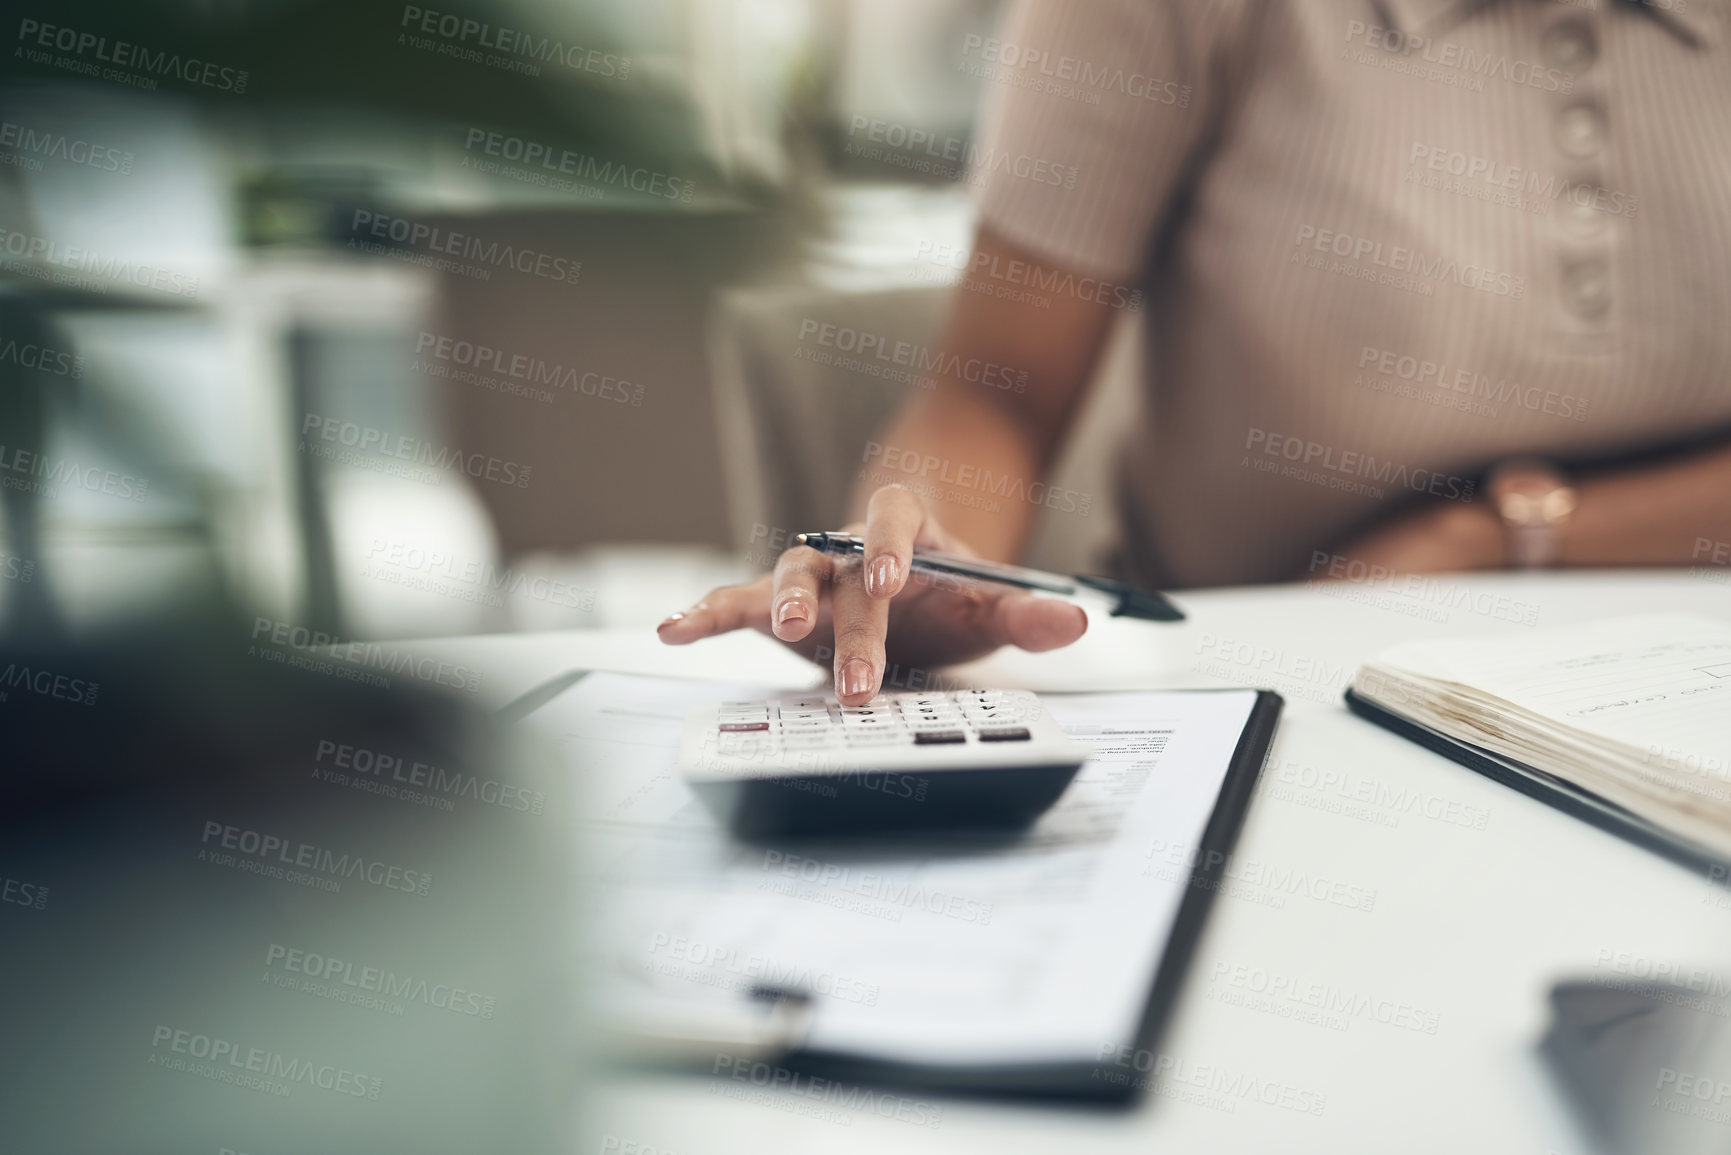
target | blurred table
[{"x": 1424, "y": 910}]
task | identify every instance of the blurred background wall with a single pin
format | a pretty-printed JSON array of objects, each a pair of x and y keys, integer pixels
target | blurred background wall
[{"x": 399, "y": 320}]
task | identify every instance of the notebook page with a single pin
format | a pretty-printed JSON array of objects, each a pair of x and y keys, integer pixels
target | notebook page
[
  {"x": 1041, "y": 949},
  {"x": 1658, "y": 683}
]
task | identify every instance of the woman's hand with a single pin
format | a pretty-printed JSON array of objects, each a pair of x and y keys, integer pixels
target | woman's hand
[
  {"x": 850, "y": 606},
  {"x": 1436, "y": 538}
]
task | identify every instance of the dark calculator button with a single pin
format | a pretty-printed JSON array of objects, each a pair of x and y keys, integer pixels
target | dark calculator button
[
  {"x": 938, "y": 737},
  {"x": 1013, "y": 734},
  {"x": 736, "y": 727}
]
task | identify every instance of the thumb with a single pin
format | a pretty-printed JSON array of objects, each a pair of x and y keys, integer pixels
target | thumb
[{"x": 1037, "y": 623}]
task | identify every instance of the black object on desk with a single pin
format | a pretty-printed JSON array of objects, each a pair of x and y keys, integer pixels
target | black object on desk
[{"x": 1644, "y": 1065}]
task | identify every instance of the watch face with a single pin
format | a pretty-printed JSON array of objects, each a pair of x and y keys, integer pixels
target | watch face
[
  {"x": 1526, "y": 480},
  {"x": 1531, "y": 493},
  {"x": 1529, "y": 485},
  {"x": 1522, "y": 500}
]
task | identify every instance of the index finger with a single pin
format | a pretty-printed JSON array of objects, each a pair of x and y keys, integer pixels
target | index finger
[{"x": 894, "y": 518}]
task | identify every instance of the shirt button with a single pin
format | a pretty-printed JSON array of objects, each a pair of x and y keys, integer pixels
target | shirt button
[
  {"x": 1581, "y": 215},
  {"x": 1570, "y": 44},
  {"x": 1587, "y": 288},
  {"x": 1580, "y": 130}
]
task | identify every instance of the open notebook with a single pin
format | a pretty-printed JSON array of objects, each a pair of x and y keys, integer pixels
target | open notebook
[
  {"x": 1625, "y": 722},
  {"x": 1037, "y": 963}
]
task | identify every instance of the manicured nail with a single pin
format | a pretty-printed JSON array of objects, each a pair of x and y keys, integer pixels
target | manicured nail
[
  {"x": 881, "y": 575},
  {"x": 790, "y": 611},
  {"x": 671, "y": 620},
  {"x": 856, "y": 677}
]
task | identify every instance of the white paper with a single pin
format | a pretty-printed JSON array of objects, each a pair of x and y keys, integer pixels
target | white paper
[
  {"x": 1635, "y": 710},
  {"x": 1651, "y": 682},
  {"x": 1041, "y": 948}
]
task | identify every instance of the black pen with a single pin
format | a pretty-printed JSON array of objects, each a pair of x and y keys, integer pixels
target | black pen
[{"x": 1125, "y": 601}]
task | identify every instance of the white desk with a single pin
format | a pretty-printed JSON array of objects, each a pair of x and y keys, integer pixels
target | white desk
[{"x": 1468, "y": 925}]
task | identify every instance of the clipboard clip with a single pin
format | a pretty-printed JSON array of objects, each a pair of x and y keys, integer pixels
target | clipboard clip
[{"x": 768, "y": 1021}]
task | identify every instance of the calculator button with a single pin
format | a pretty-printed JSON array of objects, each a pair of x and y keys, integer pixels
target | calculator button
[
  {"x": 1013, "y": 734},
  {"x": 939, "y": 737},
  {"x": 883, "y": 737},
  {"x": 738, "y": 727}
]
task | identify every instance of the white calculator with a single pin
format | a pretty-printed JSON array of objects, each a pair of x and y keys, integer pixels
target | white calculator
[{"x": 805, "y": 764}]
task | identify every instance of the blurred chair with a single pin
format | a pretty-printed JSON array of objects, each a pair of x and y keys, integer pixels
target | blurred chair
[
  {"x": 171, "y": 440},
  {"x": 797, "y": 404},
  {"x": 105, "y": 510}
]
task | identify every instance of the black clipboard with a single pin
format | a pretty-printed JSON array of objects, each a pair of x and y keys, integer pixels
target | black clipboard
[
  {"x": 1560, "y": 793},
  {"x": 1084, "y": 1082}
]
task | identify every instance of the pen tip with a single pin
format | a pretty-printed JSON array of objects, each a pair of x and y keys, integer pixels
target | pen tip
[{"x": 800, "y": 538}]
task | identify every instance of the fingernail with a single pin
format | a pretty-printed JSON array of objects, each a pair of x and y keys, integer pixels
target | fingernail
[
  {"x": 790, "y": 611},
  {"x": 671, "y": 619},
  {"x": 881, "y": 575},
  {"x": 856, "y": 676}
]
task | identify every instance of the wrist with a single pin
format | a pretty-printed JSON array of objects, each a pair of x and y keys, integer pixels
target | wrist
[
  {"x": 1534, "y": 501},
  {"x": 1476, "y": 533}
]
